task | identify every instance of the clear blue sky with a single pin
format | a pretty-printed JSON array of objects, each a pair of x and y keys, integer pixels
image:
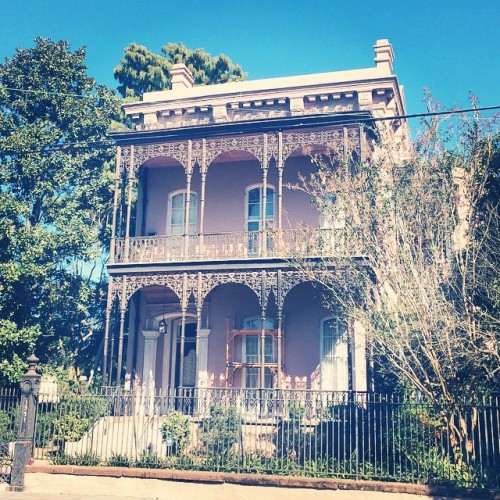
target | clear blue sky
[{"x": 449, "y": 46}]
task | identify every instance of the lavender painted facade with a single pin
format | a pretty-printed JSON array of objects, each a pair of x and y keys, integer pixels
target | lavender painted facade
[{"x": 206, "y": 227}]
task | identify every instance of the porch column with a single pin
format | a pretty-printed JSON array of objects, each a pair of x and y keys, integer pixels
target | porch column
[
  {"x": 280, "y": 181},
  {"x": 123, "y": 310},
  {"x": 263, "y": 349},
  {"x": 189, "y": 173},
  {"x": 115, "y": 205},
  {"x": 359, "y": 375},
  {"x": 109, "y": 304},
  {"x": 184, "y": 304},
  {"x": 130, "y": 185},
  {"x": 183, "y": 341},
  {"x": 263, "y": 248},
  {"x": 202, "y": 354},
  {"x": 120, "y": 347},
  {"x": 280, "y": 346},
  {"x": 149, "y": 365},
  {"x": 199, "y": 310},
  {"x": 203, "y": 172},
  {"x": 279, "y": 239}
]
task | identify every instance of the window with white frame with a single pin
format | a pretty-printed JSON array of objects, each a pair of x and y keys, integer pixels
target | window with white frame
[
  {"x": 253, "y": 214},
  {"x": 334, "y": 355},
  {"x": 252, "y": 349},
  {"x": 177, "y": 212}
]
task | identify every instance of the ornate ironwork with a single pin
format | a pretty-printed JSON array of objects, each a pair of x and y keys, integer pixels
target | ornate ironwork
[
  {"x": 290, "y": 243},
  {"x": 293, "y": 141}
]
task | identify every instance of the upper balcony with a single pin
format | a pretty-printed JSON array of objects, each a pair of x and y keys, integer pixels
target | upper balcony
[{"x": 284, "y": 244}]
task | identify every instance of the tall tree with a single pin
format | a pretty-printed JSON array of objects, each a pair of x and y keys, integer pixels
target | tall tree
[
  {"x": 54, "y": 201},
  {"x": 426, "y": 222},
  {"x": 140, "y": 70}
]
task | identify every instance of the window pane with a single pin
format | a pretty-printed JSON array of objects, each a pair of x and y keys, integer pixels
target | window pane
[
  {"x": 270, "y": 209},
  {"x": 177, "y": 216},
  {"x": 254, "y": 195},
  {"x": 178, "y": 200},
  {"x": 252, "y": 378},
  {"x": 253, "y": 210}
]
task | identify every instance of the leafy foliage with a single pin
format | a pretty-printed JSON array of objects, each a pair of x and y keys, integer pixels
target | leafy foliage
[
  {"x": 85, "y": 459},
  {"x": 221, "y": 430},
  {"x": 54, "y": 203},
  {"x": 140, "y": 70},
  {"x": 175, "y": 430}
]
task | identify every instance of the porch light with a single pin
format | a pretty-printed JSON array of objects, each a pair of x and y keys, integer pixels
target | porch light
[{"x": 162, "y": 327}]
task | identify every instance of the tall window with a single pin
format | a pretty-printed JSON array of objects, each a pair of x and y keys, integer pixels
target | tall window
[
  {"x": 254, "y": 207},
  {"x": 334, "y": 355},
  {"x": 253, "y": 217},
  {"x": 252, "y": 353},
  {"x": 177, "y": 212}
]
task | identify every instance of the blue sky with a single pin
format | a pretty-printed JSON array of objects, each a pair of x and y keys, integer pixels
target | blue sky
[{"x": 449, "y": 47}]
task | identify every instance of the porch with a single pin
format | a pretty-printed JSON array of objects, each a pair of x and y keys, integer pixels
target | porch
[{"x": 301, "y": 242}]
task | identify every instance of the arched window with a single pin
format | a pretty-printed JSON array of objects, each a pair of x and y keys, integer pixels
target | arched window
[
  {"x": 334, "y": 355},
  {"x": 176, "y": 219}
]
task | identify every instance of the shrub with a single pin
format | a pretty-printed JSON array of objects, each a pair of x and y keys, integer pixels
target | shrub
[
  {"x": 7, "y": 429},
  {"x": 221, "y": 430},
  {"x": 175, "y": 432},
  {"x": 117, "y": 460},
  {"x": 290, "y": 439},
  {"x": 69, "y": 419},
  {"x": 151, "y": 461},
  {"x": 77, "y": 459}
]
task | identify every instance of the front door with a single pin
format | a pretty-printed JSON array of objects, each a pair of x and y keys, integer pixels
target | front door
[{"x": 189, "y": 362}]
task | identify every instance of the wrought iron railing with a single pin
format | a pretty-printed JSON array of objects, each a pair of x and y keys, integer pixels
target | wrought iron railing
[
  {"x": 290, "y": 243},
  {"x": 9, "y": 418},
  {"x": 328, "y": 434}
]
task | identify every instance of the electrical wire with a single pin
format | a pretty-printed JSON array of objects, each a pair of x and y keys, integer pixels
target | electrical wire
[{"x": 47, "y": 92}]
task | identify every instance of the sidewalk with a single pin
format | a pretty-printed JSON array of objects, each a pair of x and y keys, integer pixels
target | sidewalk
[
  {"x": 98, "y": 488},
  {"x": 105, "y": 483}
]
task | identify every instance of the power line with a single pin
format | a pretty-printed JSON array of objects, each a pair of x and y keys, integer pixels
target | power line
[
  {"x": 54, "y": 93},
  {"x": 351, "y": 118}
]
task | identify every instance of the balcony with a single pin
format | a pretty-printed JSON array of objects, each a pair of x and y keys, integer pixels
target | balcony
[{"x": 291, "y": 243}]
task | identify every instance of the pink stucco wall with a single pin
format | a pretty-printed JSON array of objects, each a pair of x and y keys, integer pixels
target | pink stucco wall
[
  {"x": 226, "y": 183},
  {"x": 303, "y": 311}
]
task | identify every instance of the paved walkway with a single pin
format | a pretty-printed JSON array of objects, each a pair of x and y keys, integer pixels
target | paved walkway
[
  {"x": 101, "y": 483},
  {"x": 57, "y": 486}
]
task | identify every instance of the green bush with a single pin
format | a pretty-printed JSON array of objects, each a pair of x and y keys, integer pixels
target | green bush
[
  {"x": 220, "y": 431},
  {"x": 117, "y": 460},
  {"x": 290, "y": 438},
  {"x": 7, "y": 429},
  {"x": 175, "y": 430},
  {"x": 151, "y": 461},
  {"x": 69, "y": 419},
  {"x": 88, "y": 458}
]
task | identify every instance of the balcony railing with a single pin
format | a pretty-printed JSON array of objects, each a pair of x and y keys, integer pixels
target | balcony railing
[{"x": 290, "y": 243}]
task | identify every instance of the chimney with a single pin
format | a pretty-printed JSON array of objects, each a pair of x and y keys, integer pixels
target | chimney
[
  {"x": 384, "y": 55},
  {"x": 181, "y": 77}
]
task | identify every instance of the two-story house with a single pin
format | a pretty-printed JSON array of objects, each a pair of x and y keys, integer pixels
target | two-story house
[{"x": 203, "y": 291}]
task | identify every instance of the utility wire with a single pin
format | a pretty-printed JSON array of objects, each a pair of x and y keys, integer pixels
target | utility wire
[
  {"x": 352, "y": 118},
  {"x": 47, "y": 92}
]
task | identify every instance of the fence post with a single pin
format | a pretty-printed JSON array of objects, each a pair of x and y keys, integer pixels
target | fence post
[{"x": 30, "y": 387}]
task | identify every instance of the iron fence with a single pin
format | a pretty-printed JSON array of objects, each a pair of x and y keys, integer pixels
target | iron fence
[
  {"x": 327, "y": 434},
  {"x": 9, "y": 402}
]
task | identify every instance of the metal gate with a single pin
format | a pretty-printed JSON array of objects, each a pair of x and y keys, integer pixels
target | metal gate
[{"x": 9, "y": 403}]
